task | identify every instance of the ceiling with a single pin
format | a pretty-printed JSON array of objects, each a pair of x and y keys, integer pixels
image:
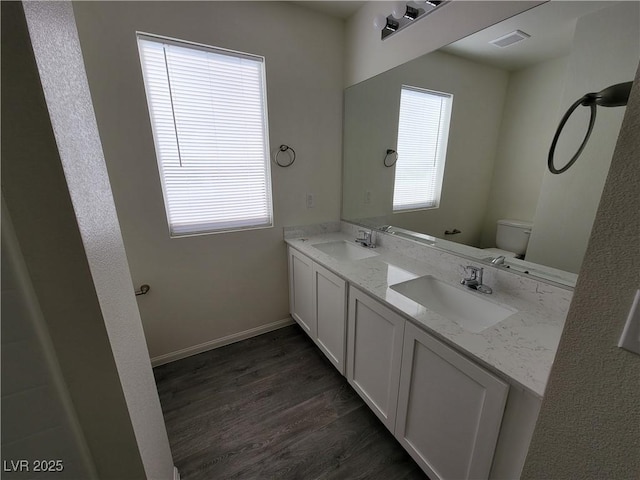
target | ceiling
[
  {"x": 551, "y": 26},
  {"x": 338, "y": 9}
]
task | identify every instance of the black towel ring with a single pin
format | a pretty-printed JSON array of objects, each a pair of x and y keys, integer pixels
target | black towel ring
[
  {"x": 395, "y": 159},
  {"x": 292, "y": 155},
  {"x": 614, "y": 96},
  {"x": 144, "y": 289},
  {"x": 565, "y": 118}
]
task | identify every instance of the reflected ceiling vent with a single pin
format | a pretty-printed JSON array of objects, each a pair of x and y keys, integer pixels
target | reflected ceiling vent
[{"x": 510, "y": 38}]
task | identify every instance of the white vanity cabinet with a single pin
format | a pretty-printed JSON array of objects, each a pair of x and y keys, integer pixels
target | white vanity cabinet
[
  {"x": 301, "y": 291},
  {"x": 449, "y": 409},
  {"x": 374, "y": 354},
  {"x": 318, "y": 302},
  {"x": 330, "y": 310},
  {"x": 446, "y": 410}
]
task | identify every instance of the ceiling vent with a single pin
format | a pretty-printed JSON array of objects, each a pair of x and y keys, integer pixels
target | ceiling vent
[{"x": 510, "y": 38}]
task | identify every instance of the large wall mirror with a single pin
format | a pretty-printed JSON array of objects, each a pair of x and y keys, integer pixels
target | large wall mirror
[{"x": 507, "y": 102}]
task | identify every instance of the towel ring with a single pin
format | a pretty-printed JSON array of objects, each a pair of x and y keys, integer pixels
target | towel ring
[
  {"x": 292, "y": 155},
  {"x": 556, "y": 137},
  {"x": 613, "y": 96},
  {"x": 390, "y": 152},
  {"x": 144, "y": 289}
]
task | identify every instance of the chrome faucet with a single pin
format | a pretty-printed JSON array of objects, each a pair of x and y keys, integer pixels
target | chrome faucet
[
  {"x": 367, "y": 239},
  {"x": 499, "y": 260},
  {"x": 474, "y": 281}
]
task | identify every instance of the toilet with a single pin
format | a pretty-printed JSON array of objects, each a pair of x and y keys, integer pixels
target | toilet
[{"x": 512, "y": 237}]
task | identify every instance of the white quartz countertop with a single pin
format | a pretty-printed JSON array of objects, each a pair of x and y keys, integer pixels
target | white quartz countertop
[{"x": 520, "y": 349}]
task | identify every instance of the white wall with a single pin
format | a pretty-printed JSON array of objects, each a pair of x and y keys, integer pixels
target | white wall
[
  {"x": 371, "y": 127},
  {"x": 589, "y": 424},
  {"x": 600, "y": 57},
  {"x": 366, "y": 55},
  {"x": 58, "y": 57},
  {"x": 205, "y": 288},
  {"x": 529, "y": 119}
]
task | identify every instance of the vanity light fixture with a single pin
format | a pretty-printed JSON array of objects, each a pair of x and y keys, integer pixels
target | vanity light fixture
[
  {"x": 403, "y": 10},
  {"x": 386, "y": 24},
  {"x": 403, "y": 15}
]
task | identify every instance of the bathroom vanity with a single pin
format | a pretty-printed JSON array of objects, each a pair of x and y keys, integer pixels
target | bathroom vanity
[{"x": 462, "y": 396}]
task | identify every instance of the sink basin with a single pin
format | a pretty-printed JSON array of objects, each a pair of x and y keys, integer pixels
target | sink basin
[
  {"x": 345, "y": 251},
  {"x": 467, "y": 309}
]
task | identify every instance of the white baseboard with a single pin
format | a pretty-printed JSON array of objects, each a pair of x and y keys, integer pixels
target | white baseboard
[
  {"x": 176, "y": 474},
  {"x": 220, "y": 342}
]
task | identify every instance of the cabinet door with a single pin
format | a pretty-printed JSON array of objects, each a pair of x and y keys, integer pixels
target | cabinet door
[
  {"x": 374, "y": 352},
  {"x": 449, "y": 409},
  {"x": 301, "y": 291},
  {"x": 329, "y": 307}
]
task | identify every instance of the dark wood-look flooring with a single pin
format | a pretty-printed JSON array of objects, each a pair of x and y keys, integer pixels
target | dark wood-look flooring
[{"x": 273, "y": 407}]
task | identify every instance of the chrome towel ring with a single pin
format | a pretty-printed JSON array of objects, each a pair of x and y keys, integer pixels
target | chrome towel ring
[{"x": 292, "y": 156}]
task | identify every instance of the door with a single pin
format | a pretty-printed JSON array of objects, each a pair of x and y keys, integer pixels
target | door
[
  {"x": 301, "y": 291},
  {"x": 330, "y": 308},
  {"x": 449, "y": 409},
  {"x": 374, "y": 352}
]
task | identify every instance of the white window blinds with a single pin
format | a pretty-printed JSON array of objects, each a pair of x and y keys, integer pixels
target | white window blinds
[
  {"x": 209, "y": 117},
  {"x": 423, "y": 130}
]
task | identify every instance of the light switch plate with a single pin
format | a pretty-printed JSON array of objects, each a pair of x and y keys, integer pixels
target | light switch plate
[
  {"x": 630, "y": 338},
  {"x": 311, "y": 200}
]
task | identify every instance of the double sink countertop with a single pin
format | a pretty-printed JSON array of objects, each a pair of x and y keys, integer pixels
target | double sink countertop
[{"x": 520, "y": 348}]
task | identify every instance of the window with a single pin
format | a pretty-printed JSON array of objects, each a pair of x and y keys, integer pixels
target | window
[
  {"x": 209, "y": 118},
  {"x": 423, "y": 130}
]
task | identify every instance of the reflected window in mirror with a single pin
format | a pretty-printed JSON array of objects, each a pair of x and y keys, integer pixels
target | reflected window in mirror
[{"x": 423, "y": 132}]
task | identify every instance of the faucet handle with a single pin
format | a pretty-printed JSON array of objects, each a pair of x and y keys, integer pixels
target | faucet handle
[
  {"x": 367, "y": 239},
  {"x": 473, "y": 271},
  {"x": 499, "y": 260},
  {"x": 475, "y": 279}
]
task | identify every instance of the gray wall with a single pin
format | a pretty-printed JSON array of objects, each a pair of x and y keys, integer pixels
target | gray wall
[
  {"x": 589, "y": 424},
  {"x": 529, "y": 119},
  {"x": 57, "y": 192},
  {"x": 207, "y": 288},
  {"x": 38, "y": 418},
  {"x": 605, "y": 52},
  {"x": 37, "y": 198}
]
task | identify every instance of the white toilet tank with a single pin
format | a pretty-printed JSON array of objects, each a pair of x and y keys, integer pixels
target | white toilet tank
[{"x": 513, "y": 236}]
